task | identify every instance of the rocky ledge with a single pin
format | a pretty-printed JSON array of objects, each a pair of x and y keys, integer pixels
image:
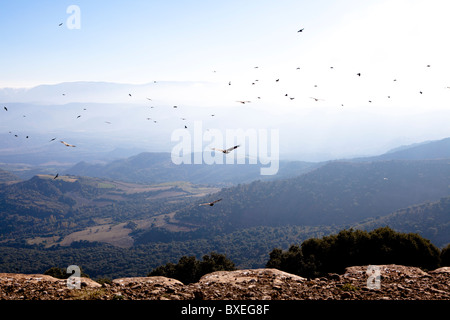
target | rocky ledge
[{"x": 396, "y": 283}]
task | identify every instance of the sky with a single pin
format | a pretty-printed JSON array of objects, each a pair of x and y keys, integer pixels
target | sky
[
  {"x": 140, "y": 41},
  {"x": 399, "y": 47}
]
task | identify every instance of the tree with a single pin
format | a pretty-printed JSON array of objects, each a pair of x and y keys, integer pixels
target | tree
[
  {"x": 61, "y": 273},
  {"x": 215, "y": 262},
  {"x": 332, "y": 254},
  {"x": 445, "y": 256},
  {"x": 189, "y": 269},
  {"x": 56, "y": 272}
]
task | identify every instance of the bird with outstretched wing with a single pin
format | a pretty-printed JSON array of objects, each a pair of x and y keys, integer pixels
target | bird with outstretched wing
[
  {"x": 226, "y": 150},
  {"x": 67, "y": 144},
  {"x": 210, "y": 203}
]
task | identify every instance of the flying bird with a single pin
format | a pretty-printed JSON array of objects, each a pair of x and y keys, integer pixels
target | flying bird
[
  {"x": 52, "y": 140},
  {"x": 67, "y": 144},
  {"x": 359, "y": 74},
  {"x": 56, "y": 176},
  {"x": 60, "y": 24},
  {"x": 6, "y": 109},
  {"x": 210, "y": 203},
  {"x": 226, "y": 150},
  {"x": 316, "y": 99},
  {"x": 243, "y": 102},
  {"x": 301, "y": 30}
]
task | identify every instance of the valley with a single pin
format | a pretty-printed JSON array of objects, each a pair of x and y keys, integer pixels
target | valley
[{"x": 107, "y": 211}]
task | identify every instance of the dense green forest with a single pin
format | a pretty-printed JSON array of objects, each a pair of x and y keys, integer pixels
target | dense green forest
[
  {"x": 189, "y": 269},
  {"x": 251, "y": 248},
  {"x": 333, "y": 253},
  {"x": 431, "y": 220},
  {"x": 247, "y": 248},
  {"x": 339, "y": 193}
]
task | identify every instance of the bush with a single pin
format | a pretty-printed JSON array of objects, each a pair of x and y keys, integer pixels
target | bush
[
  {"x": 332, "y": 254},
  {"x": 190, "y": 270},
  {"x": 445, "y": 256},
  {"x": 56, "y": 272},
  {"x": 61, "y": 273}
]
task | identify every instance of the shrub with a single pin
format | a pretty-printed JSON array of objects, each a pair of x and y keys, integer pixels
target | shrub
[
  {"x": 61, "y": 273},
  {"x": 332, "y": 254},
  {"x": 445, "y": 256},
  {"x": 189, "y": 269}
]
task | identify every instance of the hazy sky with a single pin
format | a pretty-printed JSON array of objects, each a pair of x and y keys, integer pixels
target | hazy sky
[
  {"x": 143, "y": 41},
  {"x": 400, "y": 47},
  {"x": 140, "y": 41}
]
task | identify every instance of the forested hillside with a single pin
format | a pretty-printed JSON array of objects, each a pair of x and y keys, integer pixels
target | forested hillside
[
  {"x": 45, "y": 206},
  {"x": 338, "y": 193},
  {"x": 52, "y": 221},
  {"x": 431, "y": 220},
  {"x": 6, "y": 176}
]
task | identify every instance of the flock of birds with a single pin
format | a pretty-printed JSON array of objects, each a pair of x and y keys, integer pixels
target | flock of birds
[{"x": 224, "y": 151}]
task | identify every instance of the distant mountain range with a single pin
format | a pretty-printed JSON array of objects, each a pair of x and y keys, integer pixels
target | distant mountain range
[
  {"x": 135, "y": 203},
  {"x": 100, "y": 117},
  {"x": 158, "y": 167},
  {"x": 150, "y": 167}
]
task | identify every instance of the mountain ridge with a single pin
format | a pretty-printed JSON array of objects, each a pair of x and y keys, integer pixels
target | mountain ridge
[{"x": 431, "y": 149}]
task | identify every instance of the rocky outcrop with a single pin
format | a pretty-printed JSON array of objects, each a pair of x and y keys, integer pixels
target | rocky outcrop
[{"x": 396, "y": 283}]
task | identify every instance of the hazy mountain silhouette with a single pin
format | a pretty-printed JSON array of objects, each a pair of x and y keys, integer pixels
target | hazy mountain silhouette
[{"x": 439, "y": 149}]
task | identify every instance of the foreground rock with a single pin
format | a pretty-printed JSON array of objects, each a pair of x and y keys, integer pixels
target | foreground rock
[{"x": 396, "y": 283}]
